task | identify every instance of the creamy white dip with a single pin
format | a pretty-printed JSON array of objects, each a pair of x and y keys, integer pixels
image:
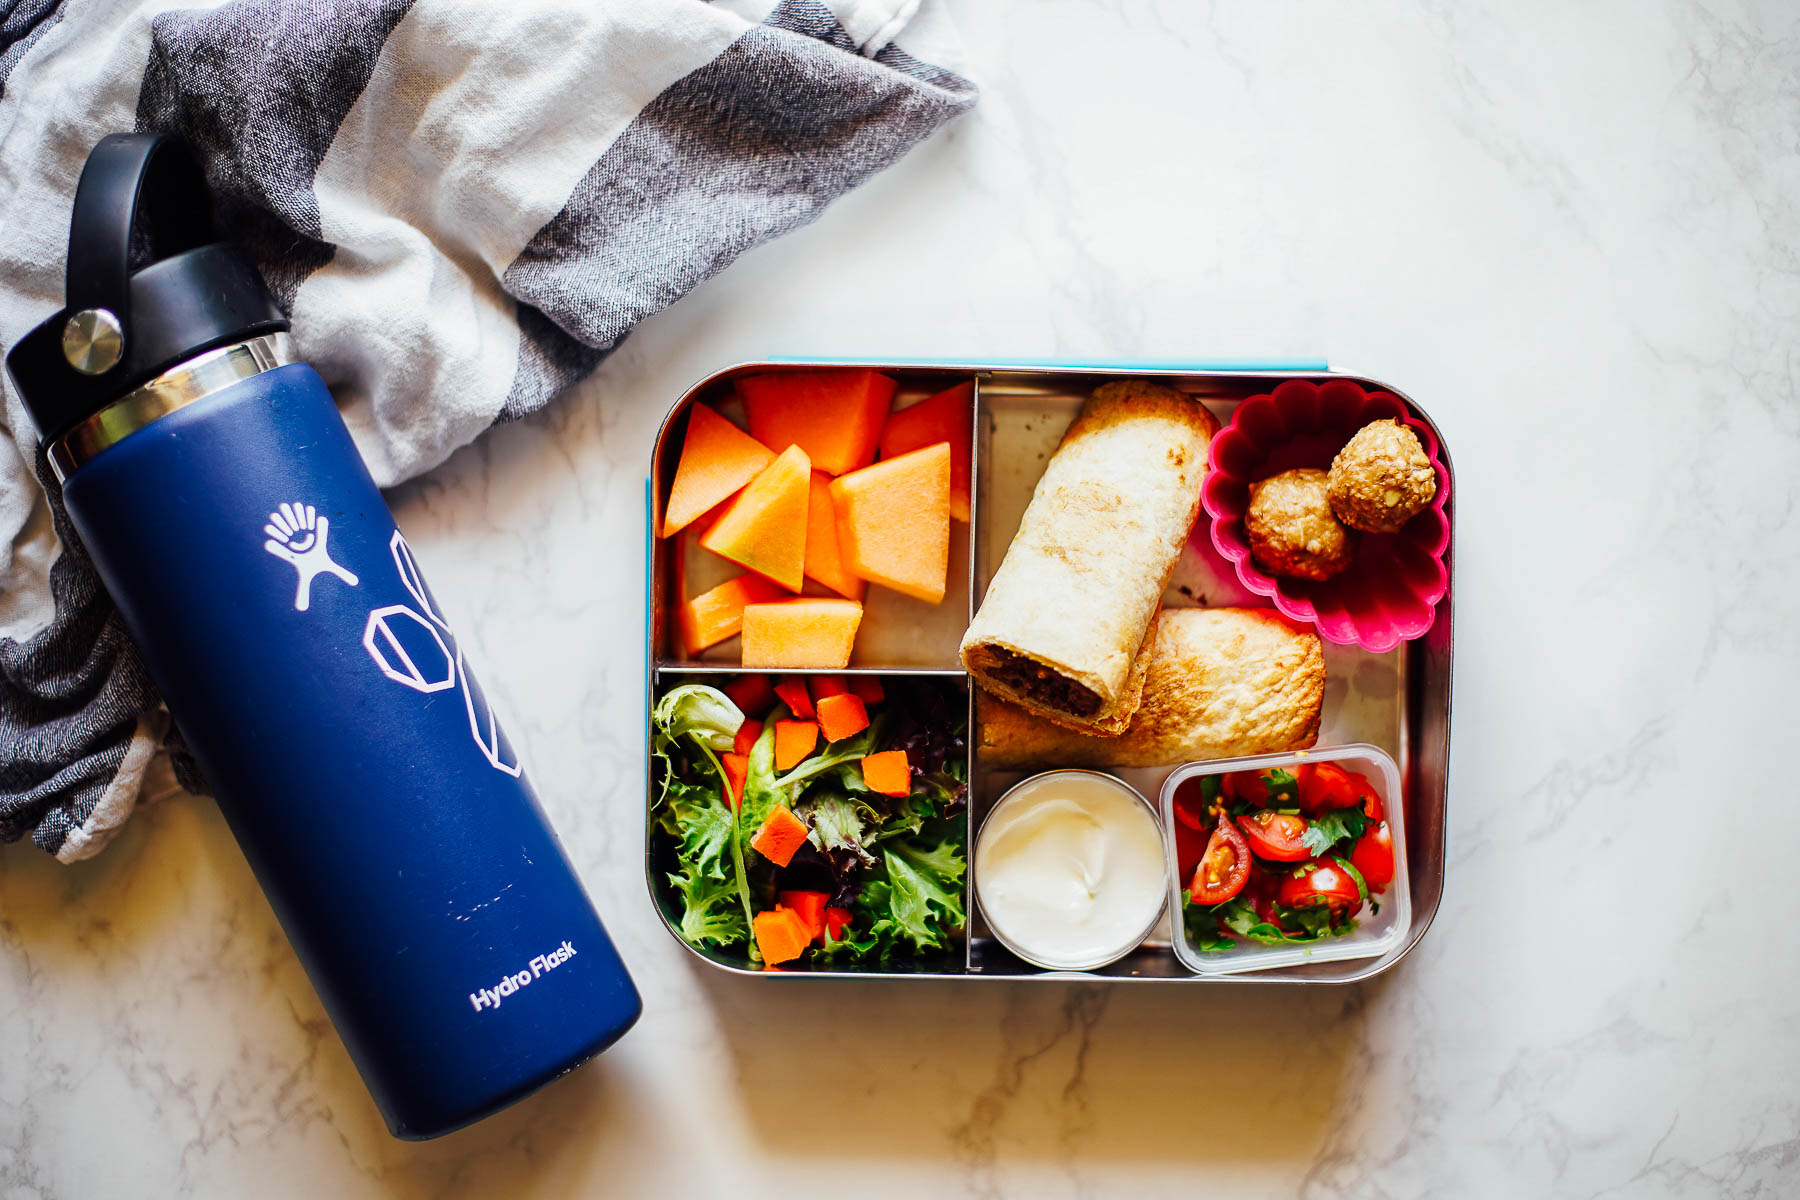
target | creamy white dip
[{"x": 1069, "y": 869}]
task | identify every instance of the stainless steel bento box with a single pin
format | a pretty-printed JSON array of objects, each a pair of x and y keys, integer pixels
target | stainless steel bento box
[{"x": 1399, "y": 700}]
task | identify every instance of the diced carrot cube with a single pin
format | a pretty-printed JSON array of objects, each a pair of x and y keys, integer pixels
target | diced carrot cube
[
  {"x": 713, "y": 616},
  {"x": 841, "y": 717},
  {"x": 949, "y": 417},
  {"x": 781, "y": 935},
  {"x": 765, "y": 527},
  {"x": 793, "y": 693},
  {"x": 887, "y": 773},
  {"x": 737, "y": 769},
  {"x": 753, "y": 694},
  {"x": 824, "y": 552},
  {"x": 807, "y": 631},
  {"x": 717, "y": 458},
  {"x": 894, "y": 522},
  {"x": 782, "y": 834},
  {"x": 868, "y": 689},
  {"x": 794, "y": 740},
  {"x": 809, "y": 907},
  {"x": 835, "y": 416},
  {"x": 747, "y": 734}
]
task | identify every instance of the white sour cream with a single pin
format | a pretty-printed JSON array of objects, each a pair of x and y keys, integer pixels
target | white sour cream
[{"x": 1070, "y": 870}]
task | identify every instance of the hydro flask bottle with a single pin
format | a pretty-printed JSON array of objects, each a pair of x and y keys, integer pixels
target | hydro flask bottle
[{"x": 312, "y": 674}]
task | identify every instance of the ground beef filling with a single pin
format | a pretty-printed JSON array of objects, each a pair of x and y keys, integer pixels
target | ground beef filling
[{"x": 1036, "y": 682}]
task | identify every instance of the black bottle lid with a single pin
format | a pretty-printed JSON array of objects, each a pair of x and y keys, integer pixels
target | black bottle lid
[{"x": 147, "y": 286}]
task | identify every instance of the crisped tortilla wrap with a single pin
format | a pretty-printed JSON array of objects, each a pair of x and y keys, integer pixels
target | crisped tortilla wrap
[
  {"x": 1221, "y": 682},
  {"x": 1075, "y": 596}
]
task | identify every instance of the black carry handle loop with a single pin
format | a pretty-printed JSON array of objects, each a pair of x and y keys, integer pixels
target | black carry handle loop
[{"x": 142, "y": 197}]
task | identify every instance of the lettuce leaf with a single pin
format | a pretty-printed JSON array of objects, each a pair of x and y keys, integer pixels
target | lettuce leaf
[
  {"x": 709, "y": 913},
  {"x": 704, "y": 714},
  {"x": 839, "y": 822}
]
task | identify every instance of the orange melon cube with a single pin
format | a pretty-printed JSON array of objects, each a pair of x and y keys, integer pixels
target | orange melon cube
[
  {"x": 805, "y": 631},
  {"x": 717, "y": 458},
  {"x": 781, "y": 935},
  {"x": 888, "y": 773},
  {"x": 765, "y": 527},
  {"x": 841, "y": 716},
  {"x": 824, "y": 559},
  {"x": 781, "y": 834},
  {"x": 835, "y": 416},
  {"x": 794, "y": 740},
  {"x": 711, "y": 617},
  {"x": 894, "y": 521},
  {"x": 948, "y": 417}
]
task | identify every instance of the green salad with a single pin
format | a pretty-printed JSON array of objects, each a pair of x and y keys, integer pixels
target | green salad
[{"x": 813, "y": 820}]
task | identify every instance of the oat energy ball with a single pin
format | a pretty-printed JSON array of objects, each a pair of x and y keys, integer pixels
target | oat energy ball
[
  {"x": 1292, "y": 529},
  {"x": 1381, "y": 478}
]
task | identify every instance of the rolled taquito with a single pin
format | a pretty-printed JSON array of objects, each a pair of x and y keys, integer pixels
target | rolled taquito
[{"x": 1072, "y": 603}]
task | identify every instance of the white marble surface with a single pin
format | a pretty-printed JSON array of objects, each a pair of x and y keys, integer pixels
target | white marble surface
[{"x": 1570, "y": 230}]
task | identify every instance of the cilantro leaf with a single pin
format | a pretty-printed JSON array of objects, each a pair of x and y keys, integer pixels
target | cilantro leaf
[
  {"x": 1201, "y": 924},
  {"x": 1279, "y": 785},
  {"x": 1333, "y": 826},
  {"x": 1240, "y": 918}
]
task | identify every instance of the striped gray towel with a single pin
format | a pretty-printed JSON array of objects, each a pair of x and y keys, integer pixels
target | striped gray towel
[{"x": 464, "y": 206}]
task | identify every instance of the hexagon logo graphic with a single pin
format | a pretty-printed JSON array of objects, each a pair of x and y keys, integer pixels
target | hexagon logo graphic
[{"x": 408, "y": 650}]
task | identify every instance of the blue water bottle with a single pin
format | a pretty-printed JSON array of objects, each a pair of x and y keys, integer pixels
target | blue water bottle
[{"x": 310, "y": 670}]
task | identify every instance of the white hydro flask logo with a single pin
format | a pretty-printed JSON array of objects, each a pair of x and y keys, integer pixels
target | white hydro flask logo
[{"x": 297, "y": 536}]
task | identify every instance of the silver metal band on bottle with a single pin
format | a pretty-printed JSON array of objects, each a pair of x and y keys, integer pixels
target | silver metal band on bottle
[{"x": 174, "y": 389}]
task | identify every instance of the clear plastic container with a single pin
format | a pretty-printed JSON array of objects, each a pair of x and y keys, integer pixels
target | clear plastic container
[{"x": 1376, "y": 934}]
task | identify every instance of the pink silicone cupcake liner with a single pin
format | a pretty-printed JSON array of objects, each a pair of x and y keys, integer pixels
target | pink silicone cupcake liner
[{"x": 1390, "y": 591}]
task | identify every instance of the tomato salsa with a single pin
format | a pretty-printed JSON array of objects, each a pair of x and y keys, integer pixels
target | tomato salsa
[{"x": 1280, "y": 856}]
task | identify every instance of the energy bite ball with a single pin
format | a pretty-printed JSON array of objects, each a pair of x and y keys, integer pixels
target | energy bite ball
[
  {"x": 1382, "y": 478},
  {"x": 1292, "y": 529}
]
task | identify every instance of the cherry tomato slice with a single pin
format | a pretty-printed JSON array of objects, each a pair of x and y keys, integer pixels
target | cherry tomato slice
[
  {"x": 1321, "y": 883},
  {"x": 1325, "y": 786},
  {"x": 1373, "y": 855},
  {"x": 1189, "y": 803},
  {"x": 1252, "y": 787},
  {"x": 1190, "y": 844},
  {"x": 1275, "y": 836},
  {"x": 1225, "y": 866},
  {"x": 1371, "y": 800}
]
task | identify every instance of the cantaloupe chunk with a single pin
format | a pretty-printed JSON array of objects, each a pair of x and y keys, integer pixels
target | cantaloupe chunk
[
  {"x": 835, "y": 416},
  {"x": 949, "y": 417},
  {"x": 717, "y": 458},
  {"x": 765, "y": 527},
  {"x": 842, "y": 716},
  {"x": 824, "y": 559},
  {"x": 794, "y": 740},
  {"x": 888, "y": 773},
  {"x": 711, "y": 617},
  {"x": 781, "y": 935},
  {"x": 781, "y": 834},
  {"x": 894, "y": 521},
  {"x": 806, "y": 631}
]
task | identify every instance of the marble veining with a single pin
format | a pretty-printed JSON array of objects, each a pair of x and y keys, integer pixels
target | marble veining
[{"x": 1570, "y": 231}]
